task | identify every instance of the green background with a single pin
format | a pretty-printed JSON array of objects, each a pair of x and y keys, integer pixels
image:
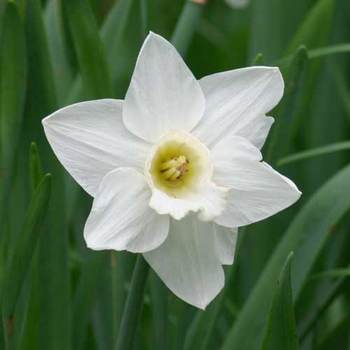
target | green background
[{"x": 58, "y": 295}]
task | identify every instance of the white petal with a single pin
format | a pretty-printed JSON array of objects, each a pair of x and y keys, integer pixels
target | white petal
[
  {"x": 187, "y": 262},
  {"x": 120, "y": 217},
  {"x": 163, "y": 94},
  {"x": 90, "y": 140},
  {"x": 233, "y": 147},
  {"x": 257, "y": 131},
  {"x": 208, "y": 199},
  {"x": 257, "y": 192},
  {"x": 225, "y": 243},
  {"x": 236, "y": 103}
]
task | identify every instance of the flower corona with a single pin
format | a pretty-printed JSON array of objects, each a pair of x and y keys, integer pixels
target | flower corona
[{"x": 178, "y": 163}]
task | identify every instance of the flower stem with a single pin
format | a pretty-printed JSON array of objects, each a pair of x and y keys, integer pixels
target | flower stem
[
  {"x": 132, "y": 309},
  {"x": 187, "y": 24}
]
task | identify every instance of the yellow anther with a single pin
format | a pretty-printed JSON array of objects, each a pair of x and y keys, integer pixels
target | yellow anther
[
  {"x": 173, "y": 169},
  {"x": 167, "y": 174},
  {"x": 175, "y": 176},
  {"x": 172, "y": 163}
]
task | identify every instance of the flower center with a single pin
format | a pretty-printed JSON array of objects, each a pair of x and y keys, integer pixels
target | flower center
[{"x": 178, "y": 163}]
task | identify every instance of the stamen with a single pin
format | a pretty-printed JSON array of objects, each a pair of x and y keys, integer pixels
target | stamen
[{"x": 174, "y": 168}]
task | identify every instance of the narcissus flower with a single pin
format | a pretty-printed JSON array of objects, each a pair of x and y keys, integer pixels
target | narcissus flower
[{"x": 176, "y": 167}]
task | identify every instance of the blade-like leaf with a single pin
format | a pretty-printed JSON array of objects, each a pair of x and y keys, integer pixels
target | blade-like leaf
[
  {"x": 111, "y": 300},
  {"x": 320, "y": 52},
  {"x": 144, "y": 17},
  {"x": 202, "y": 327},
  {"x": 341, "y": 84},
  {"x": 281, "y": 332},
  {"x": 159, "y": 302},
  {"x": 316, "y": 152},
  {"x": 41, "y": 86},
  {"x": 334, "y": 273},
  {"x": 306, "y": 237},
  {"x": 112, "y": 35},
  {"x": 27, "y": 323},
  {"x": 54, "y": 332},
  {"x": 12, "y": 91},
  {"x": 281, "y": 136},
  {"x": 187, "y": 25},
  {"x": 90, "y": 280},
  {"x": 89, "y": 49},
  {"x": 266, "y": 36},
  {"x": 315, "y": 31},
  {"x": 61, "y": 53},
  {"x": 314, "y": 27},
  {"x": 338, "y": 336},
  {"x": 35, "y": 167},
  {"x": 133, "y": 305},
  {"x": 329, "y": 294},
  {"x": 329, "y": 50},
  {"x": 22, "y": 253}
]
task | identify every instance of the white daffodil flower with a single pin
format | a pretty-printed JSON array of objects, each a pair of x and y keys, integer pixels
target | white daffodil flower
[
  {"x": 176, "y": 167},
  {"x": 237, "y": 3}
]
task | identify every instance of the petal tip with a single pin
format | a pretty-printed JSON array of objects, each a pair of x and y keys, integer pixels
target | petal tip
[
  {"x": 45, "y": 121},
  {"x": 156, "y": 37}
]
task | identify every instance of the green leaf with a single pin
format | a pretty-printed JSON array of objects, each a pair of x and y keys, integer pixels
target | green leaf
[
  {"x": 306, "y": 236},
  {"x": 333, "y": 273},
  {"x": 144, "y": 17},
  {"x": 314, "y": 27},
  {"x": 111, "y": 298},
  {"x": 341, "y": 84},
  {"x": 35, "y": 167},
  {"x": 12, "y": 88},
  {"x": 133, "y": 305},
  {"x": 89, "y": 49},
  {"x": 41, "y": 86},
  {"x": 90, "y": 280},
  {"x": 22, "y": 253},
  {"x": 281, "y": 331},
  {"x": 12, "y": 93},
  {"x": 113, "y": 30},
  {"x": 315, "y": 152},
  {"x": 315, "y": 31},
  {"x": 320, "y": 52},
  {"x": 159, "y": 303},
  {"x": 55, "y": 312},
  {"x": 28, "y": 306},
  {"x": 281, "y": 136},
  {"x": 186, "y": 26},
  {"x": 202, "y": 327},
  {"x": 328, "y": 295},
  {"x": 112, "y": 36},
  {"x": 54, "y": 332},
  {"x": 337, "y": 337},
  {"x": 266, "y": 35},
  {"x": 329, "y": 50},
  {"x": 61, "y": 52}
]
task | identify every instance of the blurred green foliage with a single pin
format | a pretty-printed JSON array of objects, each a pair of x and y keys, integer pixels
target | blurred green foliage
[{"x": 57, "y": 294}]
